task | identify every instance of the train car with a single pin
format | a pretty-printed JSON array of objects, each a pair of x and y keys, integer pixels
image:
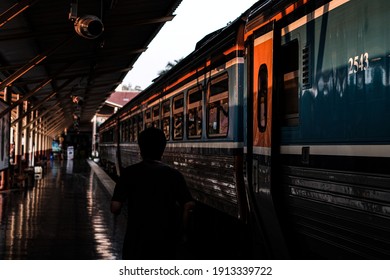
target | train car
[
  {"x": 108, "y": 145},
  {"x": 281, "y": 120},
  {"x": 319, "y": 129},
  {"x": 198, "y": 105}
]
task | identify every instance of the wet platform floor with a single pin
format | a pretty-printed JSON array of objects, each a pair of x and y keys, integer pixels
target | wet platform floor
[{"x": 65, "y": 216}]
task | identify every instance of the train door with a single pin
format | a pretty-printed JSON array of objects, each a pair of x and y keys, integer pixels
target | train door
[{"x": 260, "y": 143}]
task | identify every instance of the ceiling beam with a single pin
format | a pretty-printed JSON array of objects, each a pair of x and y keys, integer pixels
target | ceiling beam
[
  {"x": 54, "y": 121},
  {"x": 31, "y": 64},
  {"x": 15, "y": 10},
  {"x": 31, "y": 93},
  {"x": 41, "y": 102},
  {"x": 41, "y": 115},
  {"x": 80, "y": 56},
  {"x": 54, "y": 130},
  {"x": 119, "y": 22},
  {"x": 75, "y": 73}
]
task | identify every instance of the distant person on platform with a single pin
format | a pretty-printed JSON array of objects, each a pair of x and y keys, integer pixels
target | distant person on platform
[{"x": 158, "y": 202}]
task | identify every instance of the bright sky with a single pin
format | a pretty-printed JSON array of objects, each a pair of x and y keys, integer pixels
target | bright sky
[{"x": 194, "y": 20}]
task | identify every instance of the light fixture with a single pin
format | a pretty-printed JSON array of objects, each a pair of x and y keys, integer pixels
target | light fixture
[{"x": 88, "y": 26}]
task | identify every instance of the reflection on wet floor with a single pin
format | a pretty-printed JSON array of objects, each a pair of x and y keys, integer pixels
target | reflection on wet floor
[{"x": 64, "y": 216}]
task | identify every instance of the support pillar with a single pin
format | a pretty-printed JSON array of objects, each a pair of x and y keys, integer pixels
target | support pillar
[
  {"x": 19, "y": 139},
  {"x": 5, "y": 174}
]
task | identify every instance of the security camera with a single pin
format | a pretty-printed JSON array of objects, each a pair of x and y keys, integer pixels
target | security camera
[{"x": 89, "y": 26}]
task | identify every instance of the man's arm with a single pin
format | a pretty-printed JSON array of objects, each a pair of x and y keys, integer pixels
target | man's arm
[
  {"x": 187, "y": 209},
  {"x": 116, "y": 207}
]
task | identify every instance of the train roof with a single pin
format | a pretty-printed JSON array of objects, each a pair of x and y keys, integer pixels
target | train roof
[
  {"x": 45, "y": 56},
  {"x": 203, "y": 49},
  {"x": 201, "y": 52}
]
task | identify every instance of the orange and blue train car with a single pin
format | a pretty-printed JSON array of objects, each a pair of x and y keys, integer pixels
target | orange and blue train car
[{"x": 281, "y": 120}]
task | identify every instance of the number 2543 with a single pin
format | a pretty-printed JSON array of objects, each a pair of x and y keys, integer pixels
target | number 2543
[{"x": 358, "y": 63}]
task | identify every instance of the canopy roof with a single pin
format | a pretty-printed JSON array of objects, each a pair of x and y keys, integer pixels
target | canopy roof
[{"x": 45, "y": 61}]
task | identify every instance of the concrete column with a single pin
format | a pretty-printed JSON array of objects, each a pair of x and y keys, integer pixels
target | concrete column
[
  {"x": 5, "y": 174},
  {"x": 28, "y": 138},
  {"x": 8, "y": 176},
  {"x": 36, "y": 134},
  {"x": 47, "y": 140},
  {"x": 40, "y": 137},
  {"x": 93, "y": 136},
  {"x": 18, "y": 137}
]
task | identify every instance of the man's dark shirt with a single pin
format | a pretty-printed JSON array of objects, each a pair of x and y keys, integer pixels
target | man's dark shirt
[{"x": 155, "y": 193}]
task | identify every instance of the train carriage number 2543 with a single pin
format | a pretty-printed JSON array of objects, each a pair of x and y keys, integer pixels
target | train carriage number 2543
[{"x": 358, "y": 63}]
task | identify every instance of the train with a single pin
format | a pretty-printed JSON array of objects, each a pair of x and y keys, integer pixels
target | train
[{"x": 281, "y": 119}]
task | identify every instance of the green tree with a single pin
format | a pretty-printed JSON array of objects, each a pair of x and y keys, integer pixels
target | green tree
[{"x": 169, "y": 66}]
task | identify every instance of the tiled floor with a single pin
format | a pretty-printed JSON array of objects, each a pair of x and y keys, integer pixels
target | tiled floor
[{"x": 64, "y": 216}]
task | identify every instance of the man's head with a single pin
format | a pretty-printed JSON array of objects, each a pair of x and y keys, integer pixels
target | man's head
[{"x": 152, "y": 143}]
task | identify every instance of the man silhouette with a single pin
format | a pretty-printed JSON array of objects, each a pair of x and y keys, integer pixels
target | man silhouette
[{"x": 158, "y": 201}]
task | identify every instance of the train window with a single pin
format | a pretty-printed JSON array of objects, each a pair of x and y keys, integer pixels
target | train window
[
  {"x": 178, "y": 117},
  {"x": 131, "y": 129},
  {"x": 262, "y": 93},
  {"x": 194, "y": 115},
  {"x": 127, "y": 124},
  {"x": 140, "y": 125},
  {"x": 134, "y": 128},
  {"x": 218, "y": 107},
  {"x": 156, "y": 116},
  {"x": 127, "y": 130},
  {"x": 166, "y": 118},
  {"x": 123, "y": 131},
  {"x": 289, "y": 98},
  {"x": 122, "y": 135},
  {"x": 148, "y": 118},
  {"x": 307, "y": 67},
  {"x": 108, "y": 135},
  {"x": 130, "y": 125}
]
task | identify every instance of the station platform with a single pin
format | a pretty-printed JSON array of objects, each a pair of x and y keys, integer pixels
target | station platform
[{"x": 66, "y": 216}]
